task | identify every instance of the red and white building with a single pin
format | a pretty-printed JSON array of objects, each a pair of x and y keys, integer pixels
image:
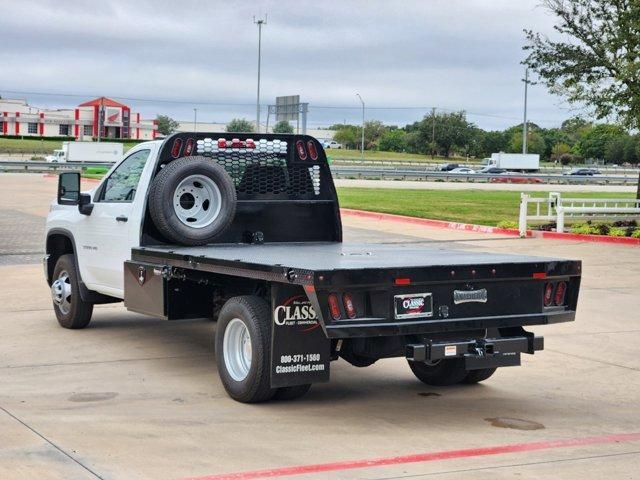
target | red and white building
[{"x": 116, "y": 120}]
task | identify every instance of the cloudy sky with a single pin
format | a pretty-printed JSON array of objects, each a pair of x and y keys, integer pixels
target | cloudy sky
[{"x": 403, "y": 57}]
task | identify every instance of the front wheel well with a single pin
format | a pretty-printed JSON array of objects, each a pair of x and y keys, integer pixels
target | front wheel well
[{"x": 57, "y": 245}]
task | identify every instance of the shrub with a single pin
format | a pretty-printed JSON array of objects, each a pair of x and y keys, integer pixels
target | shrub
[
  {"x": 617, "y": 232},
  {"x": 636, "y": 234},
  {"x": 507, "y": 224},
  {"x": 584, "y": 229},
  {"x": 601, "y": 228}
]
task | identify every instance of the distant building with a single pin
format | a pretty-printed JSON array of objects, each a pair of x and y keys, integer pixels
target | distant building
[{"x": 17, "y": 117}]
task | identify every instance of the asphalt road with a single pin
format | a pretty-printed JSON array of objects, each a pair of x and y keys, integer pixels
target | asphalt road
[{"x": 132, "y": 397}]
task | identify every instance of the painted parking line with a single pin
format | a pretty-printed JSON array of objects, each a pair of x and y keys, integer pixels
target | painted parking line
[{"x": 424, "y": 457}]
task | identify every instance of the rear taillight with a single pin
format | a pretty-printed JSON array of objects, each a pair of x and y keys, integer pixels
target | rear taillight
[
  {"x": 334, "y": 307},
  {"x": 313, "y": 151},
  {"x": 349, "y": 307},
  {"x": 236, "y": 143},
  {"x": 188, "y": 147},
  {"x": 176, "y": 148},
  {"x": 548, "y": 294},
  {"x": 561, "y": 290},
  {"x": 250, "y": 143},
  {"x": 222, "y": 143},
  {"x": 302, "y": 153}
]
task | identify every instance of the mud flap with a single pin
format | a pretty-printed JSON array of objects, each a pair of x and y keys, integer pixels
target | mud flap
[{"x": 300, "y": 351}]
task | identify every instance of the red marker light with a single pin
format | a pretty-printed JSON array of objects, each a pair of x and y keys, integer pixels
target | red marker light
[
  {"x": 222, "y": 143},
  {"x": 349, "y": 307},
  {"x": 558, "y": 299},
  {"x": 250, "y": 143},
  {"x": 539, "y": 275},
  {"x": 313, "y": 151},
  {"x": 188, "y": 147},
  {"x": 548, "y": 294},
  {"x": 176, "y": 148},
  {"x": 402, "y": 281},
  {"x": 302, "y": 153},
  {"x": 334, "y": 307}
]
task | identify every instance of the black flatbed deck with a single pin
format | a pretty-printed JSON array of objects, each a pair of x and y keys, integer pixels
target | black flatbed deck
[{"x": 310, "y": 258}]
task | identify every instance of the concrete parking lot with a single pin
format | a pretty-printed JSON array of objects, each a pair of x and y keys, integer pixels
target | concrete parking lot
[{"x": 131, "y": 397}]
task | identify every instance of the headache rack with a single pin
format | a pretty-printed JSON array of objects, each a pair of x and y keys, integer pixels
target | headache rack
[{"x": 283, "y": 184}]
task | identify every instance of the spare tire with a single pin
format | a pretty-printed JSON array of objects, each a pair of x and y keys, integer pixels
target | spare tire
[{"x": 192, "y": 200}]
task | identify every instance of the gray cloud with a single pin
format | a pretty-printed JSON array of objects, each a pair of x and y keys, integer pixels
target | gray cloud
[{"x": 457, "y": 54}]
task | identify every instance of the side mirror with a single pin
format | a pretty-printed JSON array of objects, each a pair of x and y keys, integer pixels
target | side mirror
[
  {"x": 85, "y": 207},
  {"x": 69, "y": 193},
  {"x": 69, "y": 188}
]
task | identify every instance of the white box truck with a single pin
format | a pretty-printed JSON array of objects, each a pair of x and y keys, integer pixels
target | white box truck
[
  {"x": 99, "y": 152},
  {"x": 522, "y": 162}
]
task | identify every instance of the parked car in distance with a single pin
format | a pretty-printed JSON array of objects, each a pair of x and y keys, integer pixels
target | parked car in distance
[
  {"x": 492, "y": 170},
  {"x": 462, "y": 170},
  {"x": 447, "y": 167},
  {"x": 332, "y": 144},
  {"x": 581, "y": 171}
]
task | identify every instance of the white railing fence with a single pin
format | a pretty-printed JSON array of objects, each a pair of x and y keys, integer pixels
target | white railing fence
[{"x": 558, "y": 209}]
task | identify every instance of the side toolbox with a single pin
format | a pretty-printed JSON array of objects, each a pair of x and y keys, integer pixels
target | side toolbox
[{"x": 145, "y": 289}]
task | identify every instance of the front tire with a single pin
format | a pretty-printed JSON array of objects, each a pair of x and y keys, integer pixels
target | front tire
[
  {"x": 441, "y": 373},
  {"x": 243, "y": 349},
  {"x": 71, "y": 311}
]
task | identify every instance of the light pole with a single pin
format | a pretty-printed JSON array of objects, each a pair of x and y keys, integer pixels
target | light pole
[
  {"x": 524, "y": 123},
  {"x": 195, "y": 119},
  {"x": 362, "y": 139},
  {"x": 260, "y": 23}
]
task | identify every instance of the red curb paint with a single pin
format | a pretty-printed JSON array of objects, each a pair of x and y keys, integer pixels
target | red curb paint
[
  {"x": 588, "y": 238},
  {"x": 425, "y": 457}
]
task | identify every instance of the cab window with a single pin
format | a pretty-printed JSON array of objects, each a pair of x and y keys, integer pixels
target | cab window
[{"x": 122, "y": 184}]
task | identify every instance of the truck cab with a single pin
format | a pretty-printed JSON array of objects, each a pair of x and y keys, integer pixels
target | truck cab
[{"x": 58, "y": 156}]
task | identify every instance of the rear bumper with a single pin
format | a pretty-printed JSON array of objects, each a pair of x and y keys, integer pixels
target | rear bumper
[
  {"x": 377, "y": 327},
  {"x": 478, "y": 353}
]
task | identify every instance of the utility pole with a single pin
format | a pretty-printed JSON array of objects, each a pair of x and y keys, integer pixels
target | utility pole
[
  {"x": 260, "y": 23},
  {"x": 100, "y": 118},
  {"x": 433, "y": 131},
  {"x": 362, "y": 138},
  {"x": 195, "y": 119},
  {"x": 524, "y": 123}
]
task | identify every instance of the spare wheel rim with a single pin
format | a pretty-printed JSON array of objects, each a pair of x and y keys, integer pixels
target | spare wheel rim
[{"x": 197, "y": 201}]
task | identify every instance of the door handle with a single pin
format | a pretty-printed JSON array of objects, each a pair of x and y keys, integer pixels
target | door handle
[{"x": 121, "y": 218}]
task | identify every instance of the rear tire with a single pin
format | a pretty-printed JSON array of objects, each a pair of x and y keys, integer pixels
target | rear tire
[
  {"x": 442, "y": 373},
  {"x": 477, "y": 376},
  {"x": 71, "y": 311},
  {"x": 243, "y": 349},
  {"x": 192, "y": 200}
]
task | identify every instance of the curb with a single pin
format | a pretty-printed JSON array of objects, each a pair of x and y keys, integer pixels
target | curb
[
  {"x": 576, "y": 237},
  {"x": 467, "y": 227},
  {"x": 427, "y": 222}
]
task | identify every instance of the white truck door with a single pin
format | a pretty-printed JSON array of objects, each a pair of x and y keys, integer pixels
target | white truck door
[{"x": 105, "y": 237}]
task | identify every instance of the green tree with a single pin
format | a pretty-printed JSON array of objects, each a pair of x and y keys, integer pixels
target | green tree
[
  {"x": 348, "y": 135},
  {"x": 493, "y": 142},
  {"x": 283, "y": 127},
  {"x": 166, "y": 124},
  {"x": 535, "y": 142},
  {"x": 452, "y": 132},
  {"x": 559, "y": 149},
  {"x": 240, "y": 125},
  {"x": 594, "y": 142},
  {"x": 393, "y": 141},
  {"x": 614, "y": 150},
  {"x": 373, "y": 130},
  {"x": 596, "y": 60}
]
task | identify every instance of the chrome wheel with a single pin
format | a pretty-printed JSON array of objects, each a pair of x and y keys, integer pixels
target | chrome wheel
[
  {"x": 61, "y": 292},
  {"x": 237, "y": 350},
  {"x": 197, "y": 201}
]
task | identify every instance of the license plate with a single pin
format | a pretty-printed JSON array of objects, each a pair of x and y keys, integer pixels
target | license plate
[{"x": 414, "y": 305}]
